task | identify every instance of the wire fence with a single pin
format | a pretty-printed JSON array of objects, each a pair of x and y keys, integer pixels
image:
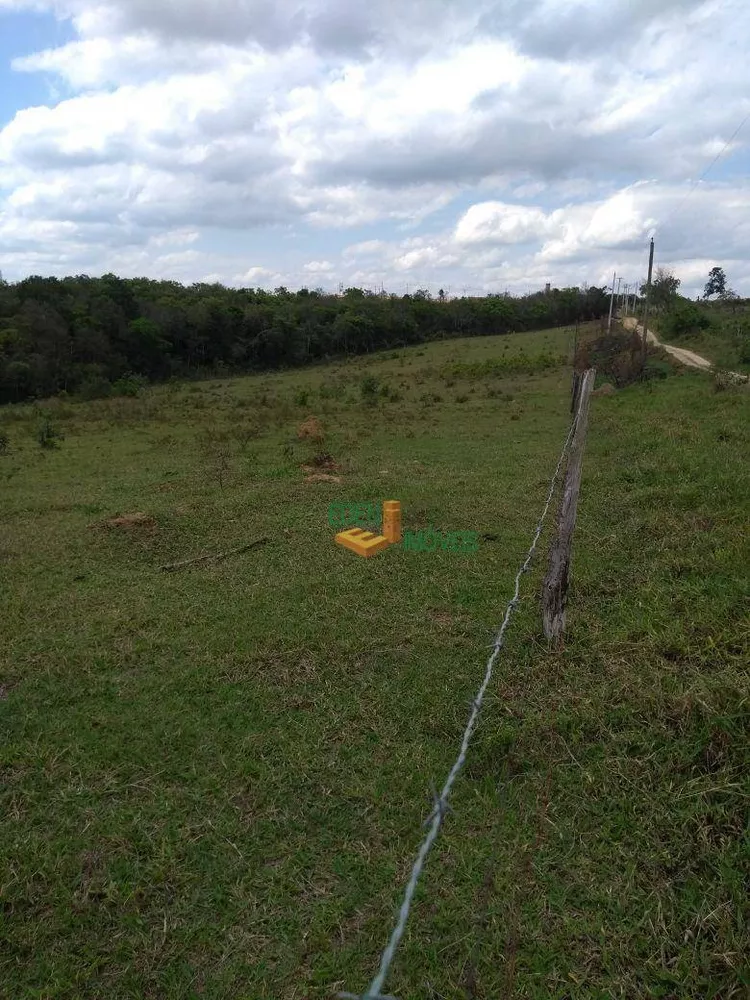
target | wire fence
[{"x": 441, "y": 806}]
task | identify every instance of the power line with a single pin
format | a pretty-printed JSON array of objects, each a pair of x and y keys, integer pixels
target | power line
[{"x": 708, "y": 169}]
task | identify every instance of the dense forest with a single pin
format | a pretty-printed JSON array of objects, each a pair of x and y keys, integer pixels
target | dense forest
[{"x": 94, "y": 336}]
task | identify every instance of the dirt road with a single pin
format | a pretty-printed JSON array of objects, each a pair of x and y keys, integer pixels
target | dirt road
[{"x": 680, "y": 354}]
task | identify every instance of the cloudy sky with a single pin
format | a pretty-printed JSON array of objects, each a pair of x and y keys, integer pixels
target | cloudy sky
[{"x": 466, "y": 144}]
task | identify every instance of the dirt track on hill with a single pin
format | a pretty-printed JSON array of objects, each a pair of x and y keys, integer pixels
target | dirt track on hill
[{"x": 681, "y": 354}]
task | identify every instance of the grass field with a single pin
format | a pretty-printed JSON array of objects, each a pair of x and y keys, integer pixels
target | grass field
[
  {"x": 724, "y": 343},
  {"x": 214, "y": 779}
]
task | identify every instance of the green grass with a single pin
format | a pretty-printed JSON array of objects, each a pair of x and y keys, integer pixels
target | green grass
[
  {"x": 214, "y": 779},
  {"x": 721, "y": 343}
]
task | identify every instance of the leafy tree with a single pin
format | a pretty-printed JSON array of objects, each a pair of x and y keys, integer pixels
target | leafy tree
[
  {"x": 716, "y": 284},
  {"x": 664, "y": 288}
]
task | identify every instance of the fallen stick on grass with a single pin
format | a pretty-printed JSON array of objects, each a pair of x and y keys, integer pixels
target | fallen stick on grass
[{"x": 217, "y": 555}]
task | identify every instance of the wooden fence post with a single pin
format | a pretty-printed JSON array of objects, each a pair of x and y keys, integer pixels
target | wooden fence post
[
  {"x": 555, "y": 587},
  {"x": 574, "y": 392}
]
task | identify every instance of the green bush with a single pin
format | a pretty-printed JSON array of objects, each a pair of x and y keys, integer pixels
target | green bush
[
  {"x": 129, "y": 385},
  {"x": 48, "y": 435},
  {"x": 4, "y": 443},
  {"x": 685, "y": 319},
  {"x": 369, "y": 388}
]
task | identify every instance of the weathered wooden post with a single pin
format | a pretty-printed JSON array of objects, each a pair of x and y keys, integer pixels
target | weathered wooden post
[
  {"x": 574, "y": 391},
  {"x": 555, "y": 586}
]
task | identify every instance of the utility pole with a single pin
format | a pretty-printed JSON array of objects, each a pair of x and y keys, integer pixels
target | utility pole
[
  {"x": 619, "y": 303},
  {"x": 648, "y": 291},
  {"x": 611, "y": 304}
]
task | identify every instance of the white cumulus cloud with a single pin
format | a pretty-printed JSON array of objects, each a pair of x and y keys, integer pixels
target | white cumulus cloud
[{"x": 472, "y": 144}]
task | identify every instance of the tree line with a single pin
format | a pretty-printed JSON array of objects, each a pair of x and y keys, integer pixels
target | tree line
[{"x": 92, "y": 336}]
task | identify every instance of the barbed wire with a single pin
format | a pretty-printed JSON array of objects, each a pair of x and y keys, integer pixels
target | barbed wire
[{"x": 441, "y": 806}]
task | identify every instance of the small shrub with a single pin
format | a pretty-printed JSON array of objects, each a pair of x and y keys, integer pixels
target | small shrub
[
  {"x": 684, "y": 319},
  {"x": 129, "y": 385},
  {"x": 369, "y": 387},
  {"x": 462, "y": 399},
  {"x": 244, "y": 434},
  {"x": 217, "y": 454},
  {"x": 48, "y": 435},
  {"x": 4, "y": 443},
  {"x": 302, "y": 398}
]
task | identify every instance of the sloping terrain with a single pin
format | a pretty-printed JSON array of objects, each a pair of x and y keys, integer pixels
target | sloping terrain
[{"x": 214, "y": 779}]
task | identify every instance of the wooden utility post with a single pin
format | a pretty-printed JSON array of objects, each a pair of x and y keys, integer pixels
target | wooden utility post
[
  {"x": 611, "y": 303},
  {"x": 648, "y": 292},
  {"x": 555, "y": 586}
]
